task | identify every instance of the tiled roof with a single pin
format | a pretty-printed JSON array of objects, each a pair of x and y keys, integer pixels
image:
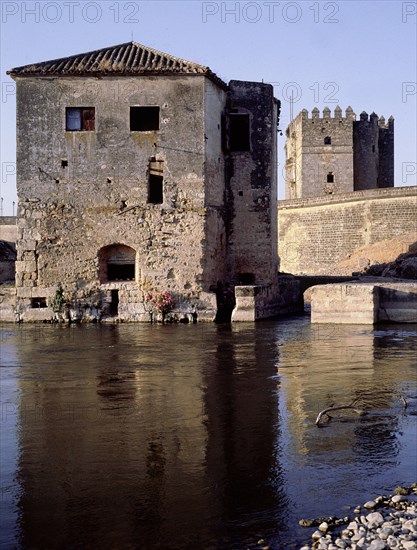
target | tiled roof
[{"x": 129, "y": 59}]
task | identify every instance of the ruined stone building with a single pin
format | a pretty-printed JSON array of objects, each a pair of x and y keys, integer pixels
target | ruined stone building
[
  {"x": 339, "y": 154},
  {"x": 138, "y": 171}
]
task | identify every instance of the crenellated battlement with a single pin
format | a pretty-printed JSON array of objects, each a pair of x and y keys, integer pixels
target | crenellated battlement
[
  {"x": 350, "y": 116},
  {"x": 327, "y": 114}
]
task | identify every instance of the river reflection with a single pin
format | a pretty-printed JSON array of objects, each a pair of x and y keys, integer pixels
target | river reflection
[{"x": 197, "y": 436}]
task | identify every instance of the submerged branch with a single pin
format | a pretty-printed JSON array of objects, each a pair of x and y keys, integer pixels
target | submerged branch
[{"x": 360, "y": 412}]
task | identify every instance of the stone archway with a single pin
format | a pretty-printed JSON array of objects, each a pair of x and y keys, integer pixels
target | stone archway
[{"x": 117, "y": 262}]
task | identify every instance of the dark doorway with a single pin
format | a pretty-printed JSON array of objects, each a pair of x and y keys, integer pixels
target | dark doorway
[
  {"x": 226, "y": 302},
  {"x": 114, "y": 304}
]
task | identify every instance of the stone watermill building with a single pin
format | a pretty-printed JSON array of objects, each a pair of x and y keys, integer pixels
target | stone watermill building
[{"x": 138, "y": 171}]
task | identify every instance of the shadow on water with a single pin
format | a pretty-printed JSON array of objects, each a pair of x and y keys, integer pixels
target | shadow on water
[{"x": 198, "y": 436}]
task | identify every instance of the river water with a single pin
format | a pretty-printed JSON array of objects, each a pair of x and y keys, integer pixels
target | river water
[{"x": 198, "y": 436}]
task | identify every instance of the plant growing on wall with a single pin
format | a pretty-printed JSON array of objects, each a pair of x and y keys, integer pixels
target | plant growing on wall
[
  {"x": 58, "y": 300},
  {"x": 161, "y": 302}
]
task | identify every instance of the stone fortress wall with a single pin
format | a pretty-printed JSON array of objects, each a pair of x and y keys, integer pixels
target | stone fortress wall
[
  {"x": 315, "y": 233},
  {"x": 340, "y": 194}
]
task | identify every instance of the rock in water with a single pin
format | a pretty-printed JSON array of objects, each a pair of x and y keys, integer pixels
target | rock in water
[
  {"x": 402, "y": 490},
  {"x": 370, "y": 505}
]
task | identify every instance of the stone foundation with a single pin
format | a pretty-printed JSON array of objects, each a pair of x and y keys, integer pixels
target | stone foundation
[
  {"x": 254, "y": 302},
  {"x": 364, "y": 303}
]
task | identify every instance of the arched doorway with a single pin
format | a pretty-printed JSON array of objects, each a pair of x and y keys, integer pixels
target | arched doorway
[{"x": 117, "y": 262}]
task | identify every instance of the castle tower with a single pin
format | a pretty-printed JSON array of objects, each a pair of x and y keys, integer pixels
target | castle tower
[
  {"x": 373, "y": 152},
  {"x": 328, "y": 155},
  {"x": 319, "y": 153}
]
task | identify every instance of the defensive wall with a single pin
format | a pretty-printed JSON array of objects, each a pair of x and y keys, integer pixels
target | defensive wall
[
  {"x": 317, "y": 232},
  {"x": 8, "y": 229}
]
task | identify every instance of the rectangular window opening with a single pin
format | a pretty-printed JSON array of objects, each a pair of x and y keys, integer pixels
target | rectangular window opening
[
  {"x": 144, "y": 119},
  {"x": 155, "y": 189},
  {"x": 330, "y": 178},
  {"x": 239, "y": 132},
  {"x": 79, "y": 119},
  {"x": 327, "y": 140},
  {"x": 120, "y": 272},
  {"x": 37, "y": 303}
]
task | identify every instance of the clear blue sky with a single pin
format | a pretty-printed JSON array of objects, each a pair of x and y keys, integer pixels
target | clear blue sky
[{"x": 356, "y": 53}]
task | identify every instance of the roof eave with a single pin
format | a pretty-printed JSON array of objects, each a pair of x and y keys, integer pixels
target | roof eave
[{"x": 212, "y": 76}]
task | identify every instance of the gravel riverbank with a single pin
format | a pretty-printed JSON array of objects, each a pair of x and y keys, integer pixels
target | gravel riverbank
[{"x": 379, "y": 524}]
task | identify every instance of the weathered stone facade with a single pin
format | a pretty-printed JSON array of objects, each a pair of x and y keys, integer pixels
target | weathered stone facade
[
  {"x": 331, "y": 155},
  {"x": 317, "y": 232},
  {"x": 136, "y": 172}
]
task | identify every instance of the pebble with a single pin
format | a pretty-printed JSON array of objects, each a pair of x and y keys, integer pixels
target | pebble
[
  {"x": 402, "y": 490},
  {"x": 393, "y": 526},
  {"x": 370, "y": 504}
]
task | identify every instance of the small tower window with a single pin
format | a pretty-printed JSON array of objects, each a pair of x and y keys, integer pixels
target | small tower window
[
  {"x": 239, "y": 128},
  {"x": 327, "y": 140},
  {"x": 330, "y": 177},
  {"x": 155, "y": 189},
  {"x": 156, "y": 181}
]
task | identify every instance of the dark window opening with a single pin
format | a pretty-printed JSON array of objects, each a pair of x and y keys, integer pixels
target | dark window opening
[
  {"x": 155, "y": 189},
  {"x": 373, "y": 148},
  {"x": 144, "y": 119},
  {"x": 114, "y": 304},
  {"x": 246, "y": 278},
  {"x": 116, "y": 263},
  {"x": 38, "y": 303},
  {"x": 80, "y": 119},
  {"x": 120, "y": 272},
  {"x": 330, "y": 177},
  {"x": 327, "y": 140},
  {"x": 239, "y": 132},
  {"x": 64, "y": 163}
]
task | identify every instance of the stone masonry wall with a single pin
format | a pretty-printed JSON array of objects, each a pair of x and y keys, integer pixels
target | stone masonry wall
[
  {"x": 315, "y": 233},
  {"x": 81, "y": 191},
  {"x": 251, "y": 187}
]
